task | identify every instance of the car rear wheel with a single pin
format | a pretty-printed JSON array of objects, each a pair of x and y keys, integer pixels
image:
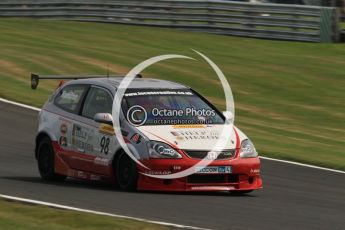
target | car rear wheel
[
  {"x": 45, "y": 160},
  {"x": 126, "y": 172}
]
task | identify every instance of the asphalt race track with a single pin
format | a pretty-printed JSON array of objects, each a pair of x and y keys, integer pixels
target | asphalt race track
[{"x": 294, "y": 197}]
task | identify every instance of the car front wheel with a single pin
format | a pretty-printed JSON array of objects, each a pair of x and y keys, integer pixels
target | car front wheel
[{"x": 126, "y": 172}]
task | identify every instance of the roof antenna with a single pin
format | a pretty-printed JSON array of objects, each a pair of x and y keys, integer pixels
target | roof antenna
[{"x": 107, "y": 70}]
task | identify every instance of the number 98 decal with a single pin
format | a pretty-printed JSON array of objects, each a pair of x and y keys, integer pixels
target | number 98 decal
[{"x": 105, "y": 141}]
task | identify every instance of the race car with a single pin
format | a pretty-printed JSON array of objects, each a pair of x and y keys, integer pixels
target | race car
[{"x": 169, "y": 128}]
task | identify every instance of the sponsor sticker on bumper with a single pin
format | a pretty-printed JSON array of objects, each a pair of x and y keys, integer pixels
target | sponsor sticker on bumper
[{"x": 213, "y": 170}]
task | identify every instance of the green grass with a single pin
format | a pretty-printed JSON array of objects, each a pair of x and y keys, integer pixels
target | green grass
[
  {"x": 289, "y": 96},
  {"x": 19, "y": 216}
]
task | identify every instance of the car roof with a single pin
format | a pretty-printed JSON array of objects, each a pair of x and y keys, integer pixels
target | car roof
[{"x": 137, "y": 83}]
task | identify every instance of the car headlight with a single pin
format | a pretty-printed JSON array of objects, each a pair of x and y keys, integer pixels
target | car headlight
[
  {"x": 248, "y": 149},
  {"x": 161, "y": 150}
]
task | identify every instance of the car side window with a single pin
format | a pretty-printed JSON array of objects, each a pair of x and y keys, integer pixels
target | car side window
[
  {"x": 98, "y": 100},
  {"x": 69, "y": 97}
]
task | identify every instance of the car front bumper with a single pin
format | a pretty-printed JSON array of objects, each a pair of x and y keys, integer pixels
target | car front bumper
[{"x": 244, "y": 176}]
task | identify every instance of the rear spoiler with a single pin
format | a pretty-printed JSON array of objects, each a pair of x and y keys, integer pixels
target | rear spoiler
[{"x": 35, "y": 78}]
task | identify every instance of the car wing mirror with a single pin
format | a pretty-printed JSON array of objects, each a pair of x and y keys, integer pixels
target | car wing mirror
[
  {"x": 229, "y": 117},
  {"x": 105, "y": 118}
]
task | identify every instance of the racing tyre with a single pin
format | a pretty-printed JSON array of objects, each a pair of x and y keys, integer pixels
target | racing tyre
[
  {"x": 126, "y": 173},
  {"x": 45, "y": 160}
]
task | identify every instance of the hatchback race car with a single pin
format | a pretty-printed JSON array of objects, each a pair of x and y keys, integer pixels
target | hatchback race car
[{"x": 76, "y": 138}]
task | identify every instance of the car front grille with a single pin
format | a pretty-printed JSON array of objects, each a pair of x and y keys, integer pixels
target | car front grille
[{"x": 222, "y": 155}]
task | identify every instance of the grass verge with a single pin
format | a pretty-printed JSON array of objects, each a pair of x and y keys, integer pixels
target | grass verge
[
  {"x": 18, "y": 216},
  {"x": 289, "y": 96}
]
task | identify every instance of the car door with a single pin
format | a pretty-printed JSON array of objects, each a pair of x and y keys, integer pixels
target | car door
[
  {"x": 66, "y": 107},
  {"x": 94, "y": 141}
]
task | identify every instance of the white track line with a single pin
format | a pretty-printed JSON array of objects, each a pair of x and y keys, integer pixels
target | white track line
[
  {"x": 301, "y": 164},
  {"x": 96, "y": 212},
  {"x": 19, "y": 104},
  {"x": 265, "y": 158}
]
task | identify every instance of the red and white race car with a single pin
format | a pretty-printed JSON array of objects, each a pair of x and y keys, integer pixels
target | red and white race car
[{"x": 167, "y": 126}]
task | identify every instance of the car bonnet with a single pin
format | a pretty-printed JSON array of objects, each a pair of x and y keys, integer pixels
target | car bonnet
[{"x": 191, "y": 137}]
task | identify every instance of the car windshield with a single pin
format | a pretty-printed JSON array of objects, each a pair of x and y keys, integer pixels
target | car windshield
[{"x": 168, "y": 107}]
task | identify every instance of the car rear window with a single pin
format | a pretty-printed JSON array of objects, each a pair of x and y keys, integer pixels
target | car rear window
[{"x": 69, "y": 97}]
